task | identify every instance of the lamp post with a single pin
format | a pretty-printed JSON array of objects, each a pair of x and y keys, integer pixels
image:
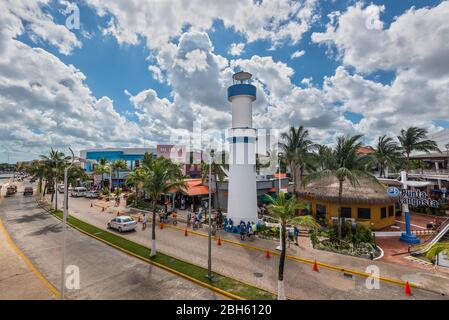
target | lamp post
[
  {"x": 279, "y": 247},
  {"x": 110, "y": 181},
  {"x": 209, "y": 245},
  {"x": 64, "y": 224}
]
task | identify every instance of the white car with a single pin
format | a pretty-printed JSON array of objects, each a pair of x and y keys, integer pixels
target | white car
[
  {"x": 122, "y": 223},
  {"x": 78, "y": 192},
  {"x": 92, "y": 194},
  {"x": 61, "y": 188}
]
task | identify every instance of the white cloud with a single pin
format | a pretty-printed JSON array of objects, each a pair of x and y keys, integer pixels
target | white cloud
[
  {"x": 417, "y": 39},
  {"x": 20, "y": 16},
  {"x": 161, "y": 21},
  {"x": 297, "y": 54},
  {"x": 236, "y": 49}
]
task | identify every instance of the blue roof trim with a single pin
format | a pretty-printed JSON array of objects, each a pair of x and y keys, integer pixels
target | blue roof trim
[{"x": 242, "y": 89}]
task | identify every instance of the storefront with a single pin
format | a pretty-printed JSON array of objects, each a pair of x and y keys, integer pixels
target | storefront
[{"x": 368, "y": 203}]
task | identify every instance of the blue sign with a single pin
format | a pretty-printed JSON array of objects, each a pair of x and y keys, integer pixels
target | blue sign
[{"x": 393, "y": 192}]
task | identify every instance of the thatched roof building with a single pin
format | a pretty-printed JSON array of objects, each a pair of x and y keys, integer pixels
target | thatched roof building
[{"x": 366, "y": 192}]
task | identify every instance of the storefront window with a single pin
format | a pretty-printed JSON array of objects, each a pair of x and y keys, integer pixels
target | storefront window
[
  {"x": 364, "y": 213},
  {"x": 383, "y": 213},
  {"x": 346, "y": 212},
  {"x": 320, "y": 211},
  {"x": 390, "y": 211}
]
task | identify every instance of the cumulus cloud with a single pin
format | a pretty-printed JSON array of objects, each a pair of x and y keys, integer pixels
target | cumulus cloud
[
  {"x": 417, "y": 39},
  {"x": 236, "y": 49},
  {"x": 160, "y": 21},
  {"x": 20, "y": 16}
]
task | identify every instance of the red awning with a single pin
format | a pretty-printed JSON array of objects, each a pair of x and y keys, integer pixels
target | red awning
[{"x": 194, "y": 187}]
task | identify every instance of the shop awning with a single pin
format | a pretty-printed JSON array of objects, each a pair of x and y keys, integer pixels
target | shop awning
[{"x": 194, "y": 187}]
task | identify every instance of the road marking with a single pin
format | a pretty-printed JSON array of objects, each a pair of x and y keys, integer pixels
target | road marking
[
  {"x": 418, "y": 260},
  {"x": 27, "y": 261}
]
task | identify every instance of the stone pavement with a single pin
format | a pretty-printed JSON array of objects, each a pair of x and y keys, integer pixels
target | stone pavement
[{"x": 249, "y": 265}]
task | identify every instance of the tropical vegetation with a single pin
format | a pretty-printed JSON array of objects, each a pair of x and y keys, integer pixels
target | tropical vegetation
[{"x": 284, "y": 210}]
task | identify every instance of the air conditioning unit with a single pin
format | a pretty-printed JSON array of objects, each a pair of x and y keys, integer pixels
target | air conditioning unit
[{"x": 335, "y": 220}]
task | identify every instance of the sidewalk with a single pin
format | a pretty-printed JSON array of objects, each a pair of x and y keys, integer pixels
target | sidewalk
[{"x": 240, "y": 261}]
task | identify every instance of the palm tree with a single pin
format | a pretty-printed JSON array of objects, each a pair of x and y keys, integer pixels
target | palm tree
[
  {"x": 296, "y": 151},
  {"x": 387, "y": 154},
  {"x": 118, "y": 165},
  {"x": 163, "y": 177},
  {"x": 218, "y": 172},
  {"x": 37, "y": 169},
  {"x": 414, "y": 139},
  {"x": 137, "y": 178},
  {"x": 55, "y": 163},
  {"x": 75, "y": 174},
  {"x": 284, "y": 210},
  {"x": 343, "y": 163},
  {"x": 101, "y": 169}
]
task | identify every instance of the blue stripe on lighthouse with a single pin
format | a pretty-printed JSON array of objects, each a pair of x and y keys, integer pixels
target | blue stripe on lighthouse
[{"x": 242, "y": 89}]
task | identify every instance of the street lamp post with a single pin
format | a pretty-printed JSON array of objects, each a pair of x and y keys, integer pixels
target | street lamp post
[
  {"x": 279, "y": 247},
  {"x": 209, "y": 246},
  {"x": 110, "y": 181},
  {"x": 64, "y": 224}
]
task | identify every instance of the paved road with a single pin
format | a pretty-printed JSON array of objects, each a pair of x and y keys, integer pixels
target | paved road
[
  {"x": 251, "y": 266},
  {"x": 105, "y": 272}
]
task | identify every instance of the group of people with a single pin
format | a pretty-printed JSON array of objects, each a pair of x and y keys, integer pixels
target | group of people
[
  {"x": 248, "y": 229},
  {"x": 195, "y": 219}
]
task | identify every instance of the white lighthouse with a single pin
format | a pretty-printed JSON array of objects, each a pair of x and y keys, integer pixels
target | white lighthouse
[{"x": 242, "y": 192}]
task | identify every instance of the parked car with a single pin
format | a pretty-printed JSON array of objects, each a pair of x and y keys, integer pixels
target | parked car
[
  {"x": 28, "y": 191},
  {"x": 10, "y": 191},
  {"x": 78, "y": 192},
  {"x": 92, "y": 194},
  {"x": 33, "y": 180},
  {"x": 50, "y": 189},
  {"x": 61, "y": 188},
  {"x": 14, "y": 188},
  {"x": 122, "y": 223}
]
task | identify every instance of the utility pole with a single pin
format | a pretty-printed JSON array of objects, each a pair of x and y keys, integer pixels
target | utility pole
[
  {"x": 64, "y": 225},
  {"x": 209, "y": 247}
]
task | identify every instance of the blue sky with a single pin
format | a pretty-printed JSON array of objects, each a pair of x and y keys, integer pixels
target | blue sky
[{"x": 112, "y": 62}]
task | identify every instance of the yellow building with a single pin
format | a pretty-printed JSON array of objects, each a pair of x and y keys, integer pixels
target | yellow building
[{"x": 367, "y": 203}]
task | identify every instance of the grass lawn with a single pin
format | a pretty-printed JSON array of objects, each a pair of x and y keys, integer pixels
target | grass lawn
[{"x": 224, "y": 283}]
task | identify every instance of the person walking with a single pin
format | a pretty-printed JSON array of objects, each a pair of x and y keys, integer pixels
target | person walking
[
  {"x": 242, "y": 230},
  {"x": 296, "y": 234},
  {"x": 144, "y": 221},
  {"x": 189, "y": 217},
  {"x": 175, "y": 218}
]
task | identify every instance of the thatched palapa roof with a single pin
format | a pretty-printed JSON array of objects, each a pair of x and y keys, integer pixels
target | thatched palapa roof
[{"x": 367, "y": 192}]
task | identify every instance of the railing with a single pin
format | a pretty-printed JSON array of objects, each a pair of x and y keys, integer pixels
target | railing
[{"x": 438, "y": 234}]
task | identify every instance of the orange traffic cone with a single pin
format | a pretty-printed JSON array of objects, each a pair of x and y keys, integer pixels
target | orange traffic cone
[
  {"x": 138, "y": 219},
  {"x": 219, "y": 241},
  {"x": 315, "y": 266},
  {"x": 162, "y": 226},
  {"x": 91, "y": 205},
  {"x": 185, "y": 233},
  {"x": 267, "y": 254},
  {"x": 408, "y": 291}
]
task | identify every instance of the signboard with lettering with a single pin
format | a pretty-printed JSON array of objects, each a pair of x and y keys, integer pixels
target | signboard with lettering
[{"x": 413, "y": 198}]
